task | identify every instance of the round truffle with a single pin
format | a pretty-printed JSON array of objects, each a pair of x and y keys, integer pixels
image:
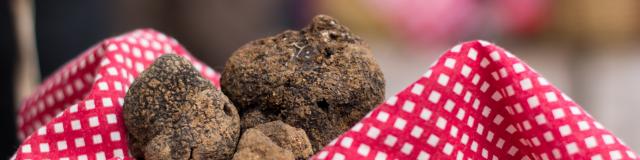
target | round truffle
[
  {"x": 322, "y": 79},
  {"x": 172, "y": 112}
]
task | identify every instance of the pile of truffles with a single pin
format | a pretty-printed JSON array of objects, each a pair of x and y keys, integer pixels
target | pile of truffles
[{"x": 294, "y": 93}]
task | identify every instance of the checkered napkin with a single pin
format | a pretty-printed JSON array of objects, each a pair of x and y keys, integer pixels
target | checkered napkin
[
  {"x": 76, "y": 112},
  {"x": 477, "y": 102}
]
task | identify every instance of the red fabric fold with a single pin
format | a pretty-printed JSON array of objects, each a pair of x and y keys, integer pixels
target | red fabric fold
[
  {"x": 76, "y": 112},
  {"x": 478, "y": 101}
]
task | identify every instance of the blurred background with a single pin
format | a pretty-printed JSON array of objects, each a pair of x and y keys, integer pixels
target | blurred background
[{"x": 588, "y": 48}]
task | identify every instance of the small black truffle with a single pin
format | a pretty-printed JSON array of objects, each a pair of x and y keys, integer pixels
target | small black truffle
[{"x": 171, "y": 112}]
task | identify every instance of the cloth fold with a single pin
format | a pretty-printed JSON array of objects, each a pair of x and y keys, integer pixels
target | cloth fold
[
  {"x": 477, "y": 101},
  {"x": 77, "y": 112}
]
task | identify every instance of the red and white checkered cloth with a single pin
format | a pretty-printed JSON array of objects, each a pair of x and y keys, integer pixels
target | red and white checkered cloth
[
  {"x": 476, "y": 102},
  {"x": 76, "y": 112}
]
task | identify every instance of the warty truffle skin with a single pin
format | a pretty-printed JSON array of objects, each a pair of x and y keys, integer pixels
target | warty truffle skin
[
  {"x": 322, "y": 78},
  {"x": 172, "y": 112}
]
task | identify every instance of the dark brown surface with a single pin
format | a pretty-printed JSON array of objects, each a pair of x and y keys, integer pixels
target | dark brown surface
[
  {"x": 171, "y": 112},
  {"x": 288, "y": 137},
  {"x": 322, "y": 79},
  {"x": 254, "y": 145}
]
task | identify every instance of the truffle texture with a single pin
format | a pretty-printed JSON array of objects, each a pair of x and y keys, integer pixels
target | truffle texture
[
  {"x": 287, "y": 137},
  {"x": 254, "y": 145},
  {"x": 172, "y": 112},
  {"x": 322, "y": 79}
]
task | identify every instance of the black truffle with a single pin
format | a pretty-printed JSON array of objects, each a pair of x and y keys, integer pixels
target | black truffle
[
  {"x": 322, "y": 79},
  {"x": 171, "y": 112},
  {"x": 254, "y": 145},
  {"x": 273, "y": 140},
  {"x": 288, "y": 137}
]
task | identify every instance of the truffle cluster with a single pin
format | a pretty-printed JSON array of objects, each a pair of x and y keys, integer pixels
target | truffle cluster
[
  {"x": 295, "y": 92},
  {"x": 322, "y": 79}
]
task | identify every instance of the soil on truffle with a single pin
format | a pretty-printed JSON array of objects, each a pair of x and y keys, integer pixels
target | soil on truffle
[
  {"x": 271, "y": 140},
  {"x": 254, "y": 145},
  {"x": 171, "y": 112},
  {"x": 322, "y": 78},
  {"x": 288, "y": 137}
]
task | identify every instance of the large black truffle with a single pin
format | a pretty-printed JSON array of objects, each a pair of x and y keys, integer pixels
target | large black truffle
[
  {"x": 171, "y": 112},
  {"x": 322, "y": 79}
]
